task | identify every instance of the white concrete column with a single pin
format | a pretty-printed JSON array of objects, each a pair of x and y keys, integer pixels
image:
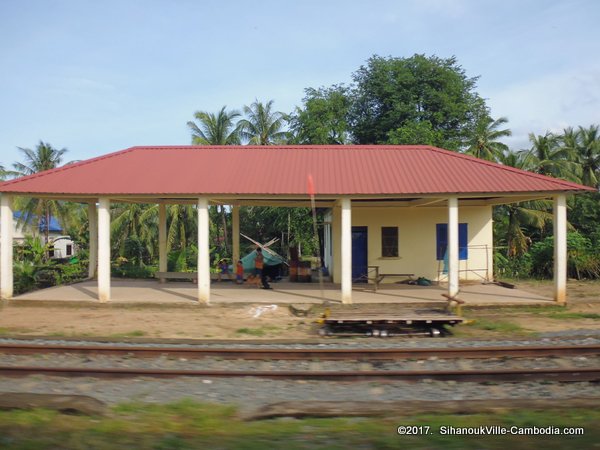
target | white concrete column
[
  {"x": 6, "y": 247},
  {"x": 560, "y": 249},
  {"x": 203, "y": 252},
  {"x": 453, "y": 262},
  {"x": 235, "y": 234},
  {"x": 346, "y": 250},
  {"x": 104, "y": 249},
  {"x": 162, "y": 239},
  {"x": 93, "y": 239}
]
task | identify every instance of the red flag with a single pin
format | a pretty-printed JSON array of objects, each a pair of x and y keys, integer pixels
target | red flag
[{"x": 310, "y": 185}]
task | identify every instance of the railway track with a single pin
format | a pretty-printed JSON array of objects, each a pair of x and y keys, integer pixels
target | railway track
[
  {"x": 362, "y": 354},
  {"x": 478, "y": 376},
  {"x": 562, "y": 374}
]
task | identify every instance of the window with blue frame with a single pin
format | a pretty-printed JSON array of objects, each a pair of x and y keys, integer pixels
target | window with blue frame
[{"x": 441, "y": 241}]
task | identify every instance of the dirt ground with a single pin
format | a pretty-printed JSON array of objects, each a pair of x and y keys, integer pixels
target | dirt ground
[{"x": 267, "y": 322}]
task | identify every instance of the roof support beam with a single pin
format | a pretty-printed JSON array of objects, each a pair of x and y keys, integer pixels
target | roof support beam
[
  {"x": 93, "y": 230},
  {"x": 425, "y": 201},
  {"x": 346, "y": 247},
  {"x": 560, "y": 249},
  {"x": 453, "y": 247},
  {"x": 162, "y": 239},
  {"x": 203, "y": 252},
  {"x": 6, "y": 247},
  {"x": 235, "y": 233},
  {"x": 104, "y": 249}
]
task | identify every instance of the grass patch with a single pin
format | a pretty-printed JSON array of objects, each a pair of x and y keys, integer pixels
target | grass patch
[
  {"x": 190, "y": 425},
  {"x": 12, "y": 331},
  {"x": 500, "y": 326},
  {"x": 134, "y": 333},
  {"x": 262, "y": 331},
  {"x": 572, "y": 315}
]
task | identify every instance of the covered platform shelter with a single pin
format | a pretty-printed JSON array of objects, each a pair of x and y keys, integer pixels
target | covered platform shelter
[{"x": 391, "y": 181}]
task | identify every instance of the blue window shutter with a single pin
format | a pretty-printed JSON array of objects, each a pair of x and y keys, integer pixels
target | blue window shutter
[
  {"x": 463, "y": 241},
  {"x": 441, "y": 241}
]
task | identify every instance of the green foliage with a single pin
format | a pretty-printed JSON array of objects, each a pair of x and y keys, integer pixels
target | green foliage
[
  {"x": 122, "y": 268},
  {"x": 262, "y": 125},
  {"x": 215, "y": 129},
  {"x": 583, "y": 260},
  {"x": 191, "y": 425},
  {"x": 323, "y": 118},
  {"x": 294, "y": 225},
  {"x": 24, "y": 272},
  {"x": 517, "y": 267},
  {"x": 413, "y": 133},
  {"x": 484, "y": 141},
  {"x": 393, "y": 93}
]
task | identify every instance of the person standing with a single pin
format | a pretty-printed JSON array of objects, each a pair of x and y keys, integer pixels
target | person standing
[
  {"x": 239, "y": 272},
  {"x": 259, "y": 264}
]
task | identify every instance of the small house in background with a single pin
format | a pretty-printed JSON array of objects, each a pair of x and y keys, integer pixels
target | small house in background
[{"x": 62, "y": 246}]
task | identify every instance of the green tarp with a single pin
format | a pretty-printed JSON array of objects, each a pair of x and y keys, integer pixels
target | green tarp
[{"x": 248, "y": 260}]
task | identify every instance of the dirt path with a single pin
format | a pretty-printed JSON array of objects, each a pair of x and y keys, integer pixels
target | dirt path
[{"x": 241, "y": 321}]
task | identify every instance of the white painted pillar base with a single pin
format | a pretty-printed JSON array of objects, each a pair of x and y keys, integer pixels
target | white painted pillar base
[
  {"x": 162, "y": 239},
  {"x": 203, "y": 252},
  {"x": 104, "y": 249},
  {"x": 235, "y": 234},
  {"x": 560, "y": 249},
  {"x": 346, "y": 248},
  {"x": 93, "y": 239},
  {"x": 6, "y": 247},
  {"x": 453, "y": 262}
]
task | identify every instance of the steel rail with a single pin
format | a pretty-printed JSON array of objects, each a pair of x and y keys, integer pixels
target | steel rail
[
  {"x": 504, "y": 375},
  {"x": 363, "y": 354}
]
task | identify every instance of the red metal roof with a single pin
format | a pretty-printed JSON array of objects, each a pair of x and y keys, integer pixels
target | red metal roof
[{"x": 283, "y": 170}]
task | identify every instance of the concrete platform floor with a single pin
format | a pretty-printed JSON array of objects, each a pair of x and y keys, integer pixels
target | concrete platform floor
[{"x": 152, "y": 292}]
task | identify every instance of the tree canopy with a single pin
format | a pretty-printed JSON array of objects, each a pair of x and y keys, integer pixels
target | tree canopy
[{"x": 425, "y": 98}]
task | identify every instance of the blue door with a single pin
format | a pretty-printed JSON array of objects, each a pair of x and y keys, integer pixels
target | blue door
[{"x": 359, "y": 253}]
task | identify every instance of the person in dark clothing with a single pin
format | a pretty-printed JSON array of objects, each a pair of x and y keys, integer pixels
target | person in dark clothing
[{"x": 259, "y": 264}]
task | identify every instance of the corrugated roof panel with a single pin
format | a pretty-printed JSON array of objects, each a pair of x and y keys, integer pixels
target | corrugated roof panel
[{"x": 283, "y": 170}]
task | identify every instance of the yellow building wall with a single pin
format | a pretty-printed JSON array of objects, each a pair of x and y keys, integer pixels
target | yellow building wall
[{"x": 417, "y": 240}]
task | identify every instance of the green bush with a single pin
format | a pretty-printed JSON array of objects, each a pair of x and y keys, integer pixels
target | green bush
[
  {"x": 24, "y": 280},
  {"x": 583, "y": 260},
  {"x": 129, "y": 270},
  {"x": 517, "y": 267}
]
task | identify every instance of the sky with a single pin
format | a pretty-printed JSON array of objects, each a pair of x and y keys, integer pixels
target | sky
[{"x": 99, "y": 76}]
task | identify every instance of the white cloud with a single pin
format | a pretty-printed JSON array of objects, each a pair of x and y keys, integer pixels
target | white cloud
[{"x": 549, "y": 103}]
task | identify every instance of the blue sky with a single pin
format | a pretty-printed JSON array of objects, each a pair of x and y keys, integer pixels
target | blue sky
[{"x": 100, "y": 76}]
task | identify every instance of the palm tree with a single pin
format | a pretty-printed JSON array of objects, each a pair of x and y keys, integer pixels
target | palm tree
[
  {"x": 485, "y": 142},
  {"x": 44, "y": 157},
  {"x": 262, "y": 125},
  {"x": 215, "y": 129},
  {"x": 588, "y": 154},
  {"x": 548, "y": 157},
  {"x": 511, "y": 219},
  {"x": 131, "y": 222}
]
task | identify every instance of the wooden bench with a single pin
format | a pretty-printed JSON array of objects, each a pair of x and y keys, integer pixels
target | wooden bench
[{"x": 163, "y": 276}]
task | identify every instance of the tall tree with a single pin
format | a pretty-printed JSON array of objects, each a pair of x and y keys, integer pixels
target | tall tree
[
  {"x": 392, "y": 94},
  {"x": 547, "y": 157},
  {"x": 44, "y": 157},
  {"x": 512, "y": 220},
  {"x": 485, "y": 141},
  {"x": 215, "y": 129},
  {"x": 323, "y": 118},
  {"x": 262, "y": 125},
  {"x": 588, "y": 155}
]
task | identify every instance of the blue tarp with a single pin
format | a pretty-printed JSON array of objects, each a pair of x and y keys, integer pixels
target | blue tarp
[{"x": 248, "y": 260}]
